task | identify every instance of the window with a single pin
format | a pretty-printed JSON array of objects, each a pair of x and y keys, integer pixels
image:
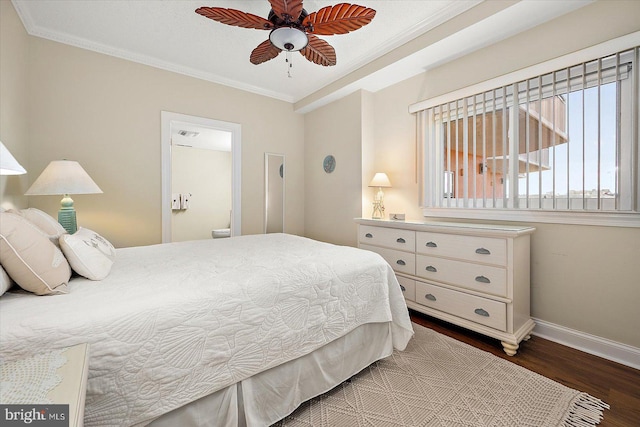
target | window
[{"x": 561, "y": 142}]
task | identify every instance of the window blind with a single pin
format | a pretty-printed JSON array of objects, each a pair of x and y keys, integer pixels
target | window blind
[{"x": 562, "y": 140}]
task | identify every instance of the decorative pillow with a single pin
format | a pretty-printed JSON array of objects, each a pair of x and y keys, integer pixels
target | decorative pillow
[
  {"x": 30, "y": 259},
  {"x": 5, "y": 281},
  {"x": 89, "y": 254},
  {"x": 45, "y": 222}
]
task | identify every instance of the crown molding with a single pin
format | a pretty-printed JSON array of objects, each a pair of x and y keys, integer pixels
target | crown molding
[
  {"x": 450, "y": 11},
  {"x": 36, "y": 31}
]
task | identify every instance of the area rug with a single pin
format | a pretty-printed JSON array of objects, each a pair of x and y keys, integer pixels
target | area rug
[{"x": 439, "y": 381}]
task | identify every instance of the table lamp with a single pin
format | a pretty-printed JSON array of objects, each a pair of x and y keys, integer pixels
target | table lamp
[
  {"x": 8, "y": 164},
  {"x": 380, "y": 180},
  {"x": 64, "y": 177}
]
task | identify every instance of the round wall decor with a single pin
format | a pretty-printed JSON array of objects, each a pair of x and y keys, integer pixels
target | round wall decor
[{"x": 329, "y": 164}]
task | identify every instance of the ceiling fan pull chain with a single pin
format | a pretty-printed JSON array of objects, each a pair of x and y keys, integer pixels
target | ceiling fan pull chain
[{"x": 289, "y": 61}]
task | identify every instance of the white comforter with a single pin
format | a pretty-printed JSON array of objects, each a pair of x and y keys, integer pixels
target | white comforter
[{"x": 175, "y": 322}]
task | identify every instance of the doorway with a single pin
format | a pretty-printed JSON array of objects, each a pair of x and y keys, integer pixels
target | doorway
[{"x": 184, "y": 131}]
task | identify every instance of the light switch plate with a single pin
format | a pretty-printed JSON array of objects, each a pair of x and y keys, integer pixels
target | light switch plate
[
  {"x": 396, "y": 217},
  {"x": 175, "y": 201}
]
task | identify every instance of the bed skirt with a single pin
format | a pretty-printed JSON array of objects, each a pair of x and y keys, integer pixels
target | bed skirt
[{"x": 269, "y": 396}]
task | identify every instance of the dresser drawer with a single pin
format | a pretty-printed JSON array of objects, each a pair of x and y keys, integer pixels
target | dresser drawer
[
  {"x": 478, "y": 277},
  {"x": 408, "y": 287},
  {"x": 477, "y": 309},
  {"x": 404, "y": 262},
  {"x": 488, "y": 250},
  {"x": 404, "y": 240}
]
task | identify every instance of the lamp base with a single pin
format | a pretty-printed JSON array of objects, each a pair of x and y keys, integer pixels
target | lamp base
[
  {"x": 378, "y": 210},
  {"x": 67, "y": 219},
  {"x": 67, "y": 215}
]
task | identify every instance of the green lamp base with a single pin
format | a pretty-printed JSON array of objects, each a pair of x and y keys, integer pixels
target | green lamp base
[{"x": 67, "y": 215}]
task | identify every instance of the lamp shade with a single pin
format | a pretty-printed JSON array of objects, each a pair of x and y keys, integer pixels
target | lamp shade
[
  {"x": 289, "y": 39},
  {"x": 8, "y": 164},
  {"x": 380, "y": 180},
  {"x": 63, "y": 177}
]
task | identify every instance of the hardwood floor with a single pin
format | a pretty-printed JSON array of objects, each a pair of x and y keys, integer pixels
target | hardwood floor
[{"x": 616, "y": 384}]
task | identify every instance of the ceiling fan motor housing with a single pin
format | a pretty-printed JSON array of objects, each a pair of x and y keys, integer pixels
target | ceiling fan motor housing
[{"x": 289, "y": 20}]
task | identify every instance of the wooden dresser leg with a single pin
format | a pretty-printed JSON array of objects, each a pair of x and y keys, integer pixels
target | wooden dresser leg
[{"x": 510, "y": 349}]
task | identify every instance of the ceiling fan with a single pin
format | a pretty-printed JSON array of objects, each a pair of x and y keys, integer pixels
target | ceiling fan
[{"x": 293, "y": 29}]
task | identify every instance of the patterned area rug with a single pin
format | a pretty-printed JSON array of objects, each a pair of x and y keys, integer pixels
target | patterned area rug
[{"x": 439, "y": 381}]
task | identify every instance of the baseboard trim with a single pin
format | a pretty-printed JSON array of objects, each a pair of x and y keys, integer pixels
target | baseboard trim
[{"x": 602, "y": 347}]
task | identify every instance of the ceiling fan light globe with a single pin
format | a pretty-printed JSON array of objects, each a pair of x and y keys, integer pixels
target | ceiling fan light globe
[{"x": 289, "y": 39}]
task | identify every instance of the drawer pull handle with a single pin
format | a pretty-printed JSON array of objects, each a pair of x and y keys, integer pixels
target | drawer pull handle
[
  {"x": 430, "y": 297},
  {"x": 431, "y": 245},
  {"x": 403, "y": 288},
  {"x": 481, "y": 312},
  {"x": 482, "y": 279},
  {"x": 401, "y": 262},
  {"x": 483, "y": 251},
  {"x": 368, "y": 235},
  {"x": 401, "y": 240},
  {"x": 431, "y": 268}
]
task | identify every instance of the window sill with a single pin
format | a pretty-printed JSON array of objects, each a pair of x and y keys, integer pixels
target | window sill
[{"x": 607, "y": 219}]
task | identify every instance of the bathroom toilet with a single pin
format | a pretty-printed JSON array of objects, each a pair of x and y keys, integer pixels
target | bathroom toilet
[{"x": 220, "y": 233}]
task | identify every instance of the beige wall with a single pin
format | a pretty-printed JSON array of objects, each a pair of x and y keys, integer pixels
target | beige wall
[
  {"x": 332, "y": 200},
  {"x": 368, "y": 155},
  {"x": 206, "y": 176},
  {"x": 395, "y": 147},
  {"x": 14, "y": 48},
  {"x": 274, "y": 197},
  {"x": 105, "y": 113},
  {"x": 583, "y": 277}
]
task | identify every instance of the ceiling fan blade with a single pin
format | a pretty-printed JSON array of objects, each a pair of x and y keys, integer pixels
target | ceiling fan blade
[
  {"x": 319, "y": 51},
  {"x": 264, "y": 52},
  {"x": 338, "y": 19},
  {"x": 291, "y": 8},
  {"x": 234, "y": 17}
]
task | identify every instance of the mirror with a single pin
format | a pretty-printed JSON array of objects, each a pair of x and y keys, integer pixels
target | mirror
[{"x": 274, "y": 172}]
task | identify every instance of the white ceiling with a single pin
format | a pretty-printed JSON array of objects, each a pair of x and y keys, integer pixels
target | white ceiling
[{"x": 168, "y": 34}]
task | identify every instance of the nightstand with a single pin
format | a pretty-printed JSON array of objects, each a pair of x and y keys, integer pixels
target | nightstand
[{"x": 72, "y": 388}]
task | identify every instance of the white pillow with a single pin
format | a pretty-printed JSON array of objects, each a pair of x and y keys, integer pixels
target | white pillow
[
  {"x": 5, "y": 281},
  {"x": 30, "y": 259},
  {"x": 89, "y": 254},
  {"x": 45, "y": 222}
]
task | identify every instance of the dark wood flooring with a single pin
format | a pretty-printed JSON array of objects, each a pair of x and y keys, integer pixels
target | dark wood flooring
[{"x": 616, "y": 384}]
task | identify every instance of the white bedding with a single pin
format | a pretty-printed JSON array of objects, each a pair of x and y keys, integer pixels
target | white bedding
[{"x": 175, "y": 322}]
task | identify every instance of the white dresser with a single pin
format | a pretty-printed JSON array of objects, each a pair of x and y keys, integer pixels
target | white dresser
[{"x": 473, "y": 275}]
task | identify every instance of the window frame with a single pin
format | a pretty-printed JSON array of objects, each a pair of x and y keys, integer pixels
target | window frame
[{"x": 602, "y": 218}]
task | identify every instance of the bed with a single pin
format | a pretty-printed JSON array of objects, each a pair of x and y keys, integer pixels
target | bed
[{"x": 220, "y": 332}]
